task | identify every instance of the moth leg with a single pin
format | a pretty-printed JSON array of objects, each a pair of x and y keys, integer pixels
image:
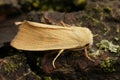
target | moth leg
[
  {"x": 63, "y": 24},
  {"x": 86, "y": 54},
  {"x": 53, "y": 62}
]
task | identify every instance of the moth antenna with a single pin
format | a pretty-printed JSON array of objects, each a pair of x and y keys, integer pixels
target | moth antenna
[
  {"x": 86, "y": 54},
  {"x": 53, "y": 62}
]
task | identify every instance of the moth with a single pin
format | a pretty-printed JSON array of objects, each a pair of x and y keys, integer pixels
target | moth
[{"x": 33, "y": 36}]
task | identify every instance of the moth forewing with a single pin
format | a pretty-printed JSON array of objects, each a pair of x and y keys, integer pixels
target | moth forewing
[{"x": 32, "y": 36}]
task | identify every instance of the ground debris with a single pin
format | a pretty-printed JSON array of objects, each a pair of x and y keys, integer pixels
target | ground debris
[{"x": 15, "y": 68}]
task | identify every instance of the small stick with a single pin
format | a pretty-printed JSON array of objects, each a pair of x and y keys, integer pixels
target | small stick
[{"x": 53, "y": 62}]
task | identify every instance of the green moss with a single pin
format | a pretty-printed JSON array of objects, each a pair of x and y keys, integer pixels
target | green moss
[
  {"x": 35, "y": 4},
  {"x": 80, "y": 78},
  {"x": 38, "y": 61},
  {"x": 47, "y": 78},
  {"x": 20, "y": 64},
  {"x": 106, "y": 31},
  {"x": 98, "y": 9},
  {"x": 10, "y": 66},
  {"x": 118, "y": 29},
  {"x": 81, "y": 3},
  {"x": 58, "y": 8},
  {"x": 108, "y": 65},
  {"x": 95, "y": 21},
  {"x": 107, "y": 9},
  {"x": 51, "y": 5},
  {"x": 44, "y": 7}
]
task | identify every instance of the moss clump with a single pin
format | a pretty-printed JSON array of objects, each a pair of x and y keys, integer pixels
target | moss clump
[
  {"x": 92, "y": 19},
  {"x": 52, "y": 5},
  {"x": 11, "y": 66},
  {"x": 13, "y": 63},
  {"x": 80, "y": 3},
  {"x": 97, "y": 9},
  {"x": 38, "y": 62},
  {"x": 107, "y": 9},
  {"x": 47, "y": 78},
  {"x": 108, "y": 65}
]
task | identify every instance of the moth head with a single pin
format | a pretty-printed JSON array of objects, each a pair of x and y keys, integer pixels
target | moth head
[
  {"x": 90, "y": 37},
  {"x": 84, "y": 36}
]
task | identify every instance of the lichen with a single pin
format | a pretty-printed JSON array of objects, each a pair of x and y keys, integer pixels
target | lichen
[
  {"x": 107, "y": 65},
  {"x": 116, "y": 38},
  {"x": 107, "y": 45}
]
